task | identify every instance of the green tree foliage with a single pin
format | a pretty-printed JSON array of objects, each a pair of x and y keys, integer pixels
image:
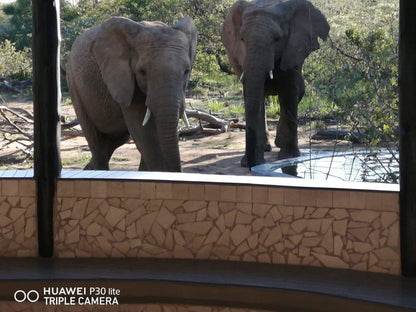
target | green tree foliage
[
  {"x": 353, "y": 74},
  {"x": 14, "y": 64},
  {"x": 19, "y": 26},
  {"x": 356, "y": 71}
]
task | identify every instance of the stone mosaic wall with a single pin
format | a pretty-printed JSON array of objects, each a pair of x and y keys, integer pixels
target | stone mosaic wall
[
  {"x": 340, "y": 229},
  {"x": 40, "y": 307},
  {"x": 18, "y": 223}
]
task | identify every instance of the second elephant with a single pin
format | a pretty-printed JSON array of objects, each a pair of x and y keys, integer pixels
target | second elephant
[
  {"x": 129, "y": 78},
  {"x": 267, "y": 42}
]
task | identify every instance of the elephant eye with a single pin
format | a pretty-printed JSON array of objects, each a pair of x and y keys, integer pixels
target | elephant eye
[
  {"x": 186, "y": 72},
  {"x": 142, "y": 71},
  {"x": 276, "y": 39}
]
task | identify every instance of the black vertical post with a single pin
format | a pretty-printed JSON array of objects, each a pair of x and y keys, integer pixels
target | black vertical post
[
  {"x": 46, "y": 99},
  {"x": 407, "y": 99}
]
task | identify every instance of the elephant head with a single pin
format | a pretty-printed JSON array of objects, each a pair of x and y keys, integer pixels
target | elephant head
[
  {"x": 127, "y": 76},
  {"x": 267, "y": 42}
]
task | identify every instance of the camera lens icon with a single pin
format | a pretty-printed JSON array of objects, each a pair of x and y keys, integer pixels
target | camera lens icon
[{"x": 21, "y": 296}]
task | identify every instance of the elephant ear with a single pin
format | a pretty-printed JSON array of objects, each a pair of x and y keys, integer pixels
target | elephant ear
[
  {"x": 306, "y": 24},
  {"x": 231, "y": 36},
  {"x": 187, "y": 26},
  {"x": 112, "y": 53}
]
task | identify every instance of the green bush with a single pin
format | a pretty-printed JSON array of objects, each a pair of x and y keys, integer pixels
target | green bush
[{"x": 14, "y": 64}]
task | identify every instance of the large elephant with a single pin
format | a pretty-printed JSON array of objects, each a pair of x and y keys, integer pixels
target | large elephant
[
  {"x": 267, "y": 42},
  {"x": 129, "y": 78}
]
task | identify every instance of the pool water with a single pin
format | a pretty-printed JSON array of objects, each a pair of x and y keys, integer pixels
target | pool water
[{"x": 357, "y": 166}]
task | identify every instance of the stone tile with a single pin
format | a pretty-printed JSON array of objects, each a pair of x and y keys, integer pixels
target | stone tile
[
  {"x": 131, "y": 189},
  {"x": 341, "y": 199},
  {"x": 338, "y": 245},
  {"x": 239, "y": 233},
  {"x": 65, "y": 188},
  {"x": 158, "y": 234},
  {"x": 331, "y": 261},
  {"x": 274, "y": 236},
  {"x": 295, "y": 239},
  {"x": 179, "y": 239},
  {"x": 94, "y": 229},
  {"x": 196, "y": 191},
  {"x": 181, "y": 252},
  {"x": 394, "y": 235},
  {"x": 213, "y": 211},
  {"x": 148, "y": 190},
  {"x": 260, "y": 194},
  {"x": 243, "y": 218},
  {"x": 319, "y": 213},
  {"x": 361, "y": 233},
  {"x": 72, "y": 236},
  {"x": 261, "y": 209},
  {"x": 165, "y": 218},
  {"x": 224, "y": 239},
  {"x": 115, "y": 189},
  {"x": 308, "y": 197},
  {"x": 373, "y": 201},
  {"x": 361, "y": 247},
  {"x": 311, "y": 241},
  {"x": 324, "y": 199},
  {"x": 194, "y": 205},
  {"x": 79, "y": 209},
  {"x": 145, "y": 222},
  {"x": 357, "y": 199},
  {"x": 164, "y": 190},
  {"x": 201, "y": 215},
  {"x": 200, "y": 228},
  {"x": 27, "y": 188},
  {"x": 328, "y": 241},
  {"x": 292, "y": 197},
  {"x": 173, "y": 204},
  {"x": 390, "y": 202},
  {"x": 367, "y": 216},
  {"x": 212, "y": 236},
  {"x": 228, "y": 193},
  {"x": 276, "y": 196},
  {"x": 338, "y": 214},
  {"x": 98, "y": 189},
  {"x": 241, "y": 249},
  {"x": 212, "y": 192},
  {"x": 299, "y": 225},
  {"x": 229, "y": 218},
  {"x": 244, "y": 194},
  {"x": 180, "y": 191},
  {"x": 326, "y": 224},
  {"x": 388, "y": 218}
]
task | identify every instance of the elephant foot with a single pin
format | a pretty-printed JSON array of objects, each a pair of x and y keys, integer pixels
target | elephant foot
[
  {"x": 89, "y": 166},
  {"x": 291, "y": 170},
  {"x": 285, "y": 153},
  {"x": 267, "y": 147},
  {"x": 244, "y": 162}
]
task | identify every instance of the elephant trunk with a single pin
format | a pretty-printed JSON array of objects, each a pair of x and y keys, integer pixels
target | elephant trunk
[
  {"x": 256, "y": 70},
  {"x": 165, "y": 107}
]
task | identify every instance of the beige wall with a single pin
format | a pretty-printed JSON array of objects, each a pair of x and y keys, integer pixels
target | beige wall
[
  {"x": 18, "y": 234},
  {"x": 319, "y": 227}
]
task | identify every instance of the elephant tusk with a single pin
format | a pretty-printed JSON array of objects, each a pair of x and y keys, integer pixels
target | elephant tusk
[
  {"x": 242, "y": 76},
  {"x": 271, "y": 74},
  {"x": 185, "y": 119},
  {"x": 146, "y": 117}
]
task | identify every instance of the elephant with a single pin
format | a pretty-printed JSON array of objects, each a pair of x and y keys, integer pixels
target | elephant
[
  {"x": 266, "y": 42},
  {"x": 129, "y": 78}
]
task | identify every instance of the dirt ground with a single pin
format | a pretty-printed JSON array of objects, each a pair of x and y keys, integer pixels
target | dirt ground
[{"x": 215, "y": 154}]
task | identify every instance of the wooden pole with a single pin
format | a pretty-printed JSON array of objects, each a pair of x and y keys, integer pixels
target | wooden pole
[
  {"x": 46, "y": 99},
  {"x": 407, "y": 99}
]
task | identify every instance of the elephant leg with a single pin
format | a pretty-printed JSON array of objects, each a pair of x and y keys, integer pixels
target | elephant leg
[
  {"x": 101, "y": 145},
  {"x": 267, "y": 146},
  {"x": 102, "y": 148},
  {"x": 291, "y": 88},
  {"x": 145, "y": 138}
]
